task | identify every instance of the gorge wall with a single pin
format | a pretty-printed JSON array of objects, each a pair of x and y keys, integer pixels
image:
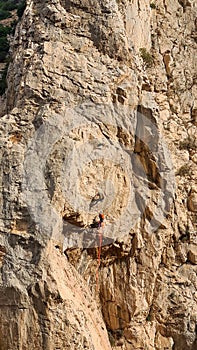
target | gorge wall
[{"x": 100, "y": 114}]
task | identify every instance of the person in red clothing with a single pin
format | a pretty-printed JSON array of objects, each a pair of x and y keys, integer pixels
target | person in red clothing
[{"x": 101, "y": 218}]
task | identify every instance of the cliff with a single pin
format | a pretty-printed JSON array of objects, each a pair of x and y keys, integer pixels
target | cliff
[{"x": 100, "y": 115}]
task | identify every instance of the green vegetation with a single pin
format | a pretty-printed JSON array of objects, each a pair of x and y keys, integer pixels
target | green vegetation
[
  {"x": 4, "y": 44},
  {"x": 115, "y": 335},
  {"x": 111, "y": 338},
  {"x": 4, "y": 31},
  {"x": 146, "y": 56},
  {"x": 3, "y": 81},
  {"x": 148, "y": 318},
  {"x": 4, "y": 14},
  {"x": 172, "y": 295},
  {"x": 6, "y": 6},
  {"x": 184, "y": 239},
  {"x": 153, "y": 5},
  {"x": 184, "y": 170},
  {"x": 185, "y": 236},
  {"x": 189, "y": 143},
  {"x": 21, "y": 8}
]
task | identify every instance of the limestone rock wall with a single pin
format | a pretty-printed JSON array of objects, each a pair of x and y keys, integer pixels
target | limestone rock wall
[{"x": 100, "y": 115}]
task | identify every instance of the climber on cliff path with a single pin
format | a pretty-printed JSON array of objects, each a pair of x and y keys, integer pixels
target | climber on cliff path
[{"x": 101, "y": 218}]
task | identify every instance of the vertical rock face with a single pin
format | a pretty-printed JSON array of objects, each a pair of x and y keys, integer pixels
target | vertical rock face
[
  {"x": 46, "y": 306},
  {"x": 100, "y": 115}
]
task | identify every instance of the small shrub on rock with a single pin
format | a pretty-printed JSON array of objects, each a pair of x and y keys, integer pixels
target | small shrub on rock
[
  {"x": 153, "y": 5},
  {"x": 146, "y": 56}
]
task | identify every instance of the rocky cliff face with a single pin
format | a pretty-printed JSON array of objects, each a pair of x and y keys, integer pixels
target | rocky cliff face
[{"x": 100, "y": 115}]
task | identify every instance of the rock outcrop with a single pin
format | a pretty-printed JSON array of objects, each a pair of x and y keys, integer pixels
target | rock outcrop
[{"x": 100, "y": 115}]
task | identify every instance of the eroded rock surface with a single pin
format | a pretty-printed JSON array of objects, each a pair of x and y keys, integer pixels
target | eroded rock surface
[{"x": 99, "y": 115}]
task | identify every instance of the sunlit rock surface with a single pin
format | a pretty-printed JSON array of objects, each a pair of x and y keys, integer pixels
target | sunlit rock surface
[{"x": 100, "y": 116}]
